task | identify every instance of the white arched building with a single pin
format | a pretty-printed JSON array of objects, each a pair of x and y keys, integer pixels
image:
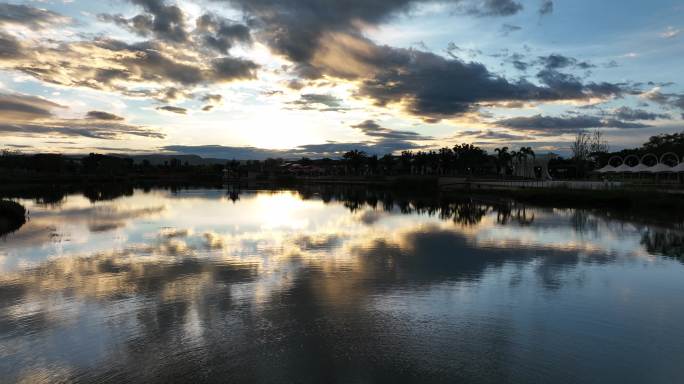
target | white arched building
[{"x": 667, "y": 163}]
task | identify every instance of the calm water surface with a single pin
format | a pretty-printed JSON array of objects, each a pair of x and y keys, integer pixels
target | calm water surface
[{"x": 277, "y": 287}]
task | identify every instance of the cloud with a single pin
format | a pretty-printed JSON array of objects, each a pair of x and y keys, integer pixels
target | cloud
[
  {"x": 494, "y": 135},
  {"x": 320, "y": 102},
  {"x": 671, "y": 32},
  {"x": 330, "y": 149},
  {"x": 564, "y": 124},
  {"x": 166, "y": 22},
  {"x": 227, "y": 69},
  {"x": 373, "y": 129},
  {"x": 33, "y": 117},
  {"x": 10, "y": 47},
  {"x": 518, "y": 62},
  {"x": 295, "y": 28},
  {"x": 100, "y": 115},
  {"x": 34, "y": 18},
  {"x": 546, "y": 7},
  {"x": 222, "y": 34},
  {"x": 321, "y": 38},
  {"x": 431, "y": 86},
  {"x": 507, "y": 29},
  {"x": 629, "y": 114},
  {"x": 568, "y": 87},
  {"x": 495, "y": 8},
  {"x": 172, "y": 109},
  {"x": 557, "y": 61},
  {"x": 145, "y": 69},
  {"x": 77, "y": 128},
  {"x": 15, "y": 107},
  {"x": 211, "y": 100},
  {"x": 670, "y": 100}
]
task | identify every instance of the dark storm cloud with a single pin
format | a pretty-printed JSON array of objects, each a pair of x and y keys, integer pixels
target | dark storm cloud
[
  {"x": 564, "y": 124},
  {"x": 172, "y": 109},
  {"x": 629, "y": 114},
  {"x": 546, "y": 7},
  {"x": 28, "y": 16},
  {"x": 100, "y": 115}
]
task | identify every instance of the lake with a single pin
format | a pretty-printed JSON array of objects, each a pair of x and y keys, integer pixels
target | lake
[{"x": 326, "y": 285}]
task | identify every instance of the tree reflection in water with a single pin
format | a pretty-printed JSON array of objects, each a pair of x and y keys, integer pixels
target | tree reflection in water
[
  {"x": 664, "y": 242},
  {"x": 373, "y": 286}
]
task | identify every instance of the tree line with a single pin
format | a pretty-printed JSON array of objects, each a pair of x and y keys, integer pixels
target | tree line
[{"x": 589, "y": 151}]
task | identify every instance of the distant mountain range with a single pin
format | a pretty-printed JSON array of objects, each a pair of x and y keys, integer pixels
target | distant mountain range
[{"x": 161, "y": 159}]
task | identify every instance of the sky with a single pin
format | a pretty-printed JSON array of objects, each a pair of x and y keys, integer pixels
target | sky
[{"x": 252, "y": 79}]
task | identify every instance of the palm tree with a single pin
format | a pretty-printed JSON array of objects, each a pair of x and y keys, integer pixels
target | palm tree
[
  {"x": 446, "y": 156},
  {"x": 388, "y": 163},
  {"x": 355, "y": 159},
  {"x": 515, "y": 157},
  {"x": 406, "y": 160},
  {"x": 530, "y": 152},
  {"x": 523, "y": 153},
  {"x": 503, "y": 158}
]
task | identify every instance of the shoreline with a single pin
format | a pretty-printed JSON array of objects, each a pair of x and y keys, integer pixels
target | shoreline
[{"x": 656, "y": 201}]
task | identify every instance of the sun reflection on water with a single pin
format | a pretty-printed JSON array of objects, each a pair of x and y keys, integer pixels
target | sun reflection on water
[{"x": 185, "y": 269}]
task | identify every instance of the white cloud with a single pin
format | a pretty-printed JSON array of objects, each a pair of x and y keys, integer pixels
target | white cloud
[{"x": 671, "y": 32}]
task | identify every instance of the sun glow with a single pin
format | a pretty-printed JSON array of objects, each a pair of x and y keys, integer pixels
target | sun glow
[{"x": 282, "y": 210}]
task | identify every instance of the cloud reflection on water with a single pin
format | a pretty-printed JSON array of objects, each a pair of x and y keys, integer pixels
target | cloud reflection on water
[{"x": 275, "y": 270}]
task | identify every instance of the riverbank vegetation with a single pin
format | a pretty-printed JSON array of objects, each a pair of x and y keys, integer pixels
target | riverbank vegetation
[
  {"x": 589, "y": 152},
  {"x": 12, "y": 216}
]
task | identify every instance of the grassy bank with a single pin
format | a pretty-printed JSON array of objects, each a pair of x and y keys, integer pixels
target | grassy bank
[
  {"x": 12, "y": 216},
  {"x": 405, "y": 183},
  {"x": 621, "y": 203}
]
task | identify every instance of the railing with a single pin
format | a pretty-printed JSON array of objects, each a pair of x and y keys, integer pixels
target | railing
[{"x": 522, "y": 184}]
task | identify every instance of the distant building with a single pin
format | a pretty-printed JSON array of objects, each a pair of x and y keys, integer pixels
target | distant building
[{"x": 536, "y": 167}]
